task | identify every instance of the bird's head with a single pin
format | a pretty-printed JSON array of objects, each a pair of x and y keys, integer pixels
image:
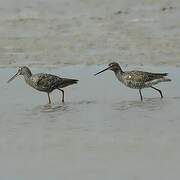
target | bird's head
[
  {"x": 114, "y": 66},
  {"x": 21, "y": 71}
]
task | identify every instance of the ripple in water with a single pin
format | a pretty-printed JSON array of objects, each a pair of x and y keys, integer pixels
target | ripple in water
[
  {"x": 149, "y": 104},
  {"x": 52, "y": 108}
]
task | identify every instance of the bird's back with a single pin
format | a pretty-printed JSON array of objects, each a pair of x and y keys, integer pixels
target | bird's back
[
  {"x": 141, "y": 79},
  {"x": 66, "y": 82},
  {"x": 144, "y": 76},
  {"x": 48, "y": 82},
  {"x": 44, "y": 82}
]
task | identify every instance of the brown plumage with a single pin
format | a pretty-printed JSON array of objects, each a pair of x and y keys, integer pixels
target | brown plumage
[
  {"x": 137, "y": 79},
  {"x": 145, "y": 76},
  {"x": 44, "y": 82}
]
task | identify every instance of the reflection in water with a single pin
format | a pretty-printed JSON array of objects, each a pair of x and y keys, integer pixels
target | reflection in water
[
  {"x": 149, "y": 104},
  {"x": 84, "y": 102},
  {"x": 52, "y": 108},
  {"x": 64, "y": 107},
  {"x": 176, "y": 98}
]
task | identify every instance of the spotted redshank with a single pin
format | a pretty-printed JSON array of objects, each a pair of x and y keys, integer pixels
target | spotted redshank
[
  {"x": 44, "y": 82},
  {"x": 137, "y": 79}
]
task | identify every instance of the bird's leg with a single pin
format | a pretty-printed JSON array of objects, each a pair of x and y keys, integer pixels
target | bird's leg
[
  {"x": 158, "y": 91},
  {"x": 62, "y": 94},
  {"x": 49, "y": 98},
  {"x": 140, "y": 94}
]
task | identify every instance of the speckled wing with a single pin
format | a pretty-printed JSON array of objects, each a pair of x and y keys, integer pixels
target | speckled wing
[
  {"x": 47, "y": 82},
  {"x": 66, "y": 82},
  {"x": 140, "y": 76}
]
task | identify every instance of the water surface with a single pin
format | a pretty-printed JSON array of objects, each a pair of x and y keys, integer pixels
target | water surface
[{"x": 102, "y": 131}]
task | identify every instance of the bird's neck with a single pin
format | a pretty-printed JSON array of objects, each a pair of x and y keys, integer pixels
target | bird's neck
[
  {"x": 27, "y": 76},
  {"x": 118, "y": 71},
  {"x": 119, "y": 74}
]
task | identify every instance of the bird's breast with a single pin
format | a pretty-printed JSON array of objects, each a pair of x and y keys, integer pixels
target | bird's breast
[{"x": 128, "y": 81}]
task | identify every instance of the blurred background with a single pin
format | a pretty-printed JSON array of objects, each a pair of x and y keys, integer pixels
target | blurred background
[{"x": 58, "y": 32}]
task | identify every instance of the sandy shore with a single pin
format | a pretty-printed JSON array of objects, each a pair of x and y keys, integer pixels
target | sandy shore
[{"x": 54, "y": 33}]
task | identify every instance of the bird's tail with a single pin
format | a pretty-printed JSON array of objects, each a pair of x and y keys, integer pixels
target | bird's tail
[
  {"x": 160, "y": 75},
  {"x": 163, "y": 74},
  {"x": 163, "y": 77},
  {"x": 67, "y": 82}
]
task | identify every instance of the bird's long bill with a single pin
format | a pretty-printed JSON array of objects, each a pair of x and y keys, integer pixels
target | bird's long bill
[
  {"x": 13, "y": 77},
  {"x": 102, "y": 71}
]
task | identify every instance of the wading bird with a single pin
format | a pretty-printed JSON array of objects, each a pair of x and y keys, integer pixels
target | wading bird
[
  {"x": 44, "y": 82},
  {"x": 137, "y": 79}
]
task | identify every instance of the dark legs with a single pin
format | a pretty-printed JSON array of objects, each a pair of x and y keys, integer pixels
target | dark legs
[
  {"x": 140, "y": 94},
  {"x": 152, "y": 88},
  {"x": 49, "y": 98},
  {"x": 62, "y": 94},
  {"x": 158, "y": 91}
]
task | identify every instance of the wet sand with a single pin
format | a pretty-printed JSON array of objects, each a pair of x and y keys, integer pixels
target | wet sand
[
  {"x": 102, "y": 131},
  {"x": 57, "y": 32}
]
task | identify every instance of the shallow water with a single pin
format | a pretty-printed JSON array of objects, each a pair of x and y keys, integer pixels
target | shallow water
[
  {"x": 57, "y": 32},
  {"x": 102, "y": 131}
]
